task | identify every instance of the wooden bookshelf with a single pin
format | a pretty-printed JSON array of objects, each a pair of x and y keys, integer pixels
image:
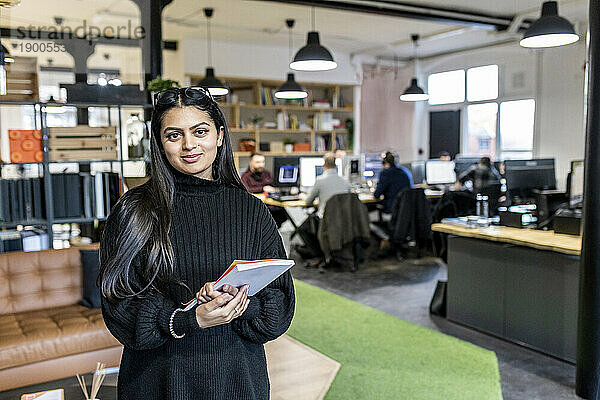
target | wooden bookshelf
[{"x": 244, "y": 105}]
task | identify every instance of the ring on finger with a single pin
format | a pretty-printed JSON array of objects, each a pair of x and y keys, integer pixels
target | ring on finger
[{"x": 237, "y": 311}]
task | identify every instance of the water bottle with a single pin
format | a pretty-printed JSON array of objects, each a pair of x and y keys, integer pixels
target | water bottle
[
  {"x": 485, "y": 207},
  {"x": 478, "y": 206}
]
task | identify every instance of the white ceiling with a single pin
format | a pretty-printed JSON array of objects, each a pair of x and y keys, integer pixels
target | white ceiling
[{"x": 249, "y": 21}]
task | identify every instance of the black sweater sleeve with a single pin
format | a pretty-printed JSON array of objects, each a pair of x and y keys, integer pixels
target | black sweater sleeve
[
  {"x": 270, "y": 312},
  {"x": 140, "y": 323}
]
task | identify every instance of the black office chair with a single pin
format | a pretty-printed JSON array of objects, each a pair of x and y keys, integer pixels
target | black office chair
[
  {"x": 411, "y": 220},
  {"x": 343, "y": 232}
]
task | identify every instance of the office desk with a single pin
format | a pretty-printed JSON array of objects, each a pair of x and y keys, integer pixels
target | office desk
[
  {"x": 301, "y": 203},
  {"x": 364, "y": 197},
  {"x": 519, "y": 284}
]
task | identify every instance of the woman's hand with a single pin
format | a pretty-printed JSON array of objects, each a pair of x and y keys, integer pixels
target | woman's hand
[
  {"x": 223, "y": 309},
  {"x": 208, "y": 292}
]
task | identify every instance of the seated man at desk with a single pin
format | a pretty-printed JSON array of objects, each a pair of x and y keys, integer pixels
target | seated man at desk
[
  {"x": 481, "y": 175},
  {"x": 258, "y": 180},
  {"x": 392, "y": 180},
  {"x": 327, "y": 185}
]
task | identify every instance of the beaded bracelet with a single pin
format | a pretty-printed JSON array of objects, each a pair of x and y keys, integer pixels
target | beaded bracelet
[{"x": 176, "y": 336}]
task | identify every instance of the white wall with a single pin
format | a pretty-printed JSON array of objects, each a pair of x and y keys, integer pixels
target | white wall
[
  {"x": 258, "y": 62},
  {"x": 561, "y": 112},
  {"x": 553, "y": 77}
]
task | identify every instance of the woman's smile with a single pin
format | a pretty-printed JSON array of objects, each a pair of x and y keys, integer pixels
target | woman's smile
[{"x": 191, "y": 158}]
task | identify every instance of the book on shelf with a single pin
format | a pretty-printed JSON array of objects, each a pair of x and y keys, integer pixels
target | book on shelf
[
  {"x": 10, "y": 240},
  {"x": 323, "y": 121},
  {"x": 20, "y": 199},
  {"x": 321, "y": 104},
  {"x": 322, "y": 143}
]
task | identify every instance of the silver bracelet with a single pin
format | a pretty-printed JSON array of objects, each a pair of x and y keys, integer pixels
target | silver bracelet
[{"x": 176, "y": 336}]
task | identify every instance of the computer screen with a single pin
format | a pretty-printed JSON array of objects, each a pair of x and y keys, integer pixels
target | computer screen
[
  {"x": 438, "y": 172},
  {"x": 417, "y": 168},
  {"x": 288, "y": 174},
  {"x": 373, "y": 166},
  {"x": 285, "y": 170},
  {"x": 311, "y": 167},
  {"x": 354, "y": 167},
  {"x": 522, "y": 176},
  {"x": 576, "y": 189}
]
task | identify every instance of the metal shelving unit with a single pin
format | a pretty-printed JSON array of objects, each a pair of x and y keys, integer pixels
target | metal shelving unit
[{"x": 40, "y": 117}]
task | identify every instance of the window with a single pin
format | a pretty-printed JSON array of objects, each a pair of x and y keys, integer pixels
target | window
[
  {"x": 446, "y": 87},
  {"x": 482, "y": 83},
  {"x": 481, "y": 129},
  {"x": 492, "y": 127},
  {"x": 516, "y": 126}
]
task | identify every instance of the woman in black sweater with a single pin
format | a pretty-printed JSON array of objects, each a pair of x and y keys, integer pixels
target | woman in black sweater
[{"x": 166, "y": 242}]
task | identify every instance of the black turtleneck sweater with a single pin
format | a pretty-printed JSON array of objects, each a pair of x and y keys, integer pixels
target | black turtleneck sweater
[{"x": 212, "y": 225}]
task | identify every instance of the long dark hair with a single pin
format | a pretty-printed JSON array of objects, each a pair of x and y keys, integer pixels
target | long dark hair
[{"x": 143, "y": 214}]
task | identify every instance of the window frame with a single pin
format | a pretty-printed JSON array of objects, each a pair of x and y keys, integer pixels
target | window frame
[{"x": 462, "y": 106}]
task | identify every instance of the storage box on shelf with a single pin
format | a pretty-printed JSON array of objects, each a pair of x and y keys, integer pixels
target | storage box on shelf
[
  {"x": 22, "y": 80},
  {"x": 83, "y": 142},
  {"x": 253, "y": 112}
]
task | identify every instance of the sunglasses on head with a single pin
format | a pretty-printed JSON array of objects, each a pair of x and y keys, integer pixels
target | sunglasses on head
[{"x": 191, "y": 92}]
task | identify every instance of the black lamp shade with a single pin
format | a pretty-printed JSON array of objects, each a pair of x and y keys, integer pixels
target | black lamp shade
[
  {"x": 290, "y": 89},
  {"x": 214, "y": 86},
  {"x": 549, "y": 30},
  {"x": 313, "y": 56},
  {"x": 414, "y": 92}
]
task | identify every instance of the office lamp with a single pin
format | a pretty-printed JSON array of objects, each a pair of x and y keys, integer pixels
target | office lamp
[
  {"x": 210, "y": 81},
  {"x": 414, "y": 92},
  {"x": 313, "y": 56},
  {"x": 550, "y": 30},
  {"x": 290, "y": 89}
]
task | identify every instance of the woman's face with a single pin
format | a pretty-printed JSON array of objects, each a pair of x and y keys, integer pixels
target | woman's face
[{"x": 190, "y": 140}]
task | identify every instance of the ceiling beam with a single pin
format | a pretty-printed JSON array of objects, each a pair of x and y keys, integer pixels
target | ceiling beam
[{"x": 415, "y": 11}]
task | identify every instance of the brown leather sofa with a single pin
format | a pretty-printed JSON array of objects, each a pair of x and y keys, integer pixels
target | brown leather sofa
[{"x": 44, "y": 333}]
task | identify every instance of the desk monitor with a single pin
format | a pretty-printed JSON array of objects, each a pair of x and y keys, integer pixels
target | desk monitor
[
  {"x": 285, "y": 171},
  {"x": 311, "y": 167},
  {"x": 351, "y": 165},
  {"x": 355, "y": 167},
  {"x": 372, "y": 166},
  {"x": 438, "y": 172},
  {"x": 522, "y": 176},
  {"x": 417, "y": 168},
  {"x": 576, "y": 184}
]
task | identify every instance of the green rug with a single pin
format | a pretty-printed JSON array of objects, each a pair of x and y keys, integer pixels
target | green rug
[{"x": 383, "y": 357}]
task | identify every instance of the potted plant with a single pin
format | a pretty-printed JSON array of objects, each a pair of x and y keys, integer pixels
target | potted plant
[
  {"x": 157, "y": 84},
  {"x": 288, "y": 145}
]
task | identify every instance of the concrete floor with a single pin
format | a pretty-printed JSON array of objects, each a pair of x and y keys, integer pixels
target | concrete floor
[{"x": 404, "y": 289}]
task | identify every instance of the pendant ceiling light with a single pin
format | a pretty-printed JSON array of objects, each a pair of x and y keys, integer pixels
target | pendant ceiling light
[
  {"x": 550, "y": 30},
  {"x": 210, "y": 81},
  {"x": 313, "y": 56},
  {"x": 290, "y": 89},
  {"x": 414, "y": 91}
]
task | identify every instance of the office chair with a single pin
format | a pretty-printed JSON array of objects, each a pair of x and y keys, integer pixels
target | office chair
[
  {"x": 344, "y": 231},
  {"x": 411, "y": 220}
]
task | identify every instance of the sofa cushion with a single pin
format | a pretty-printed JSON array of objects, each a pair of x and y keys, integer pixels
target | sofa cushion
[
  {"x": 33, "y": 336},
  {"x": 90, "y": 264}
]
